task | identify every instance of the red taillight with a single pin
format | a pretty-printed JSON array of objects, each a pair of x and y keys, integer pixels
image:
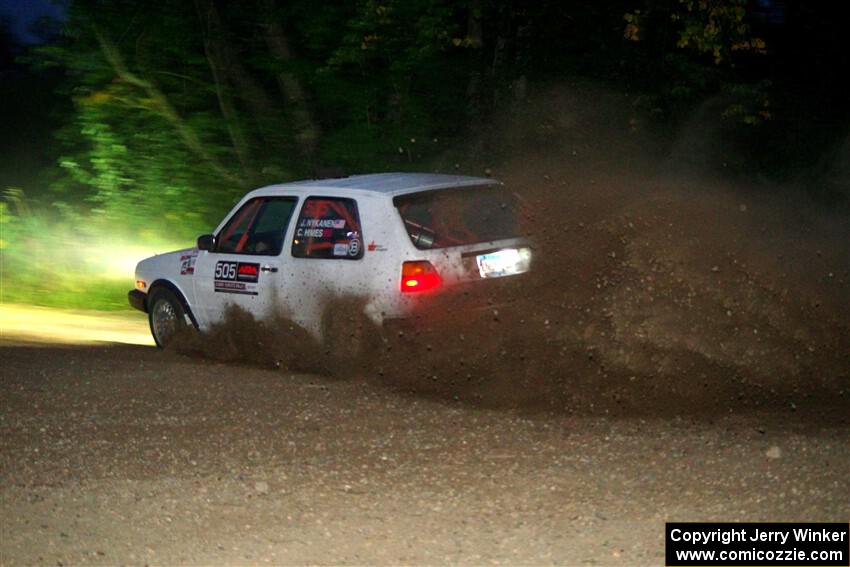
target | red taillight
[{"x": 419, "y": 276}]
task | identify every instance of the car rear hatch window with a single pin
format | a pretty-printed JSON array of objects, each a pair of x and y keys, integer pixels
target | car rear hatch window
[{"x": 459, "y": 216}]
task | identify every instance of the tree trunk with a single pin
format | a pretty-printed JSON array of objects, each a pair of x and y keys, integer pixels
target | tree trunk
[
  {"x": 473, "y": 87},
  {"x": 217, "y": 60},
  {"x": 255, "y": 96},
  {"x": 306, "y": 130},
  {"x": 256, "y": 99}
]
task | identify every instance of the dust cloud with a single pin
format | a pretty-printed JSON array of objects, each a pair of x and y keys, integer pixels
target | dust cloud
[
  {"x": 656, "y": 289},
  {"x": 276, "y": 342}
]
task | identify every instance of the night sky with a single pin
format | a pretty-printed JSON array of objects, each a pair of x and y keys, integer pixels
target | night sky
[{"x": 23, "y": 13}]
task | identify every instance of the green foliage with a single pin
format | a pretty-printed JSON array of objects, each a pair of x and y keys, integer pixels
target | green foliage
[
  {"x": 175, "y": 108},
  {"x": 717, "y": 28},
  {"x": 53, "y": 255},
  {"x": 133, "y": 172},
  {"x": 704, "y": 42},
  {"x": 750, "y": 103},
  {"x": 176, "y": 115}
]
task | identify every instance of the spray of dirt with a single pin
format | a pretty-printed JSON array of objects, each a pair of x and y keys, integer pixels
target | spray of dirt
[
  {"x": 278, "y": 342},
  {"x": 652, "y": 291},
  {"x": 275, "y": 342},
  {"x": 651, "y": 303}
]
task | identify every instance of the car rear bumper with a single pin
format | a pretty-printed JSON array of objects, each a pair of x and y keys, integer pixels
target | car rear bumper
[{"x": 137, "y": 300}]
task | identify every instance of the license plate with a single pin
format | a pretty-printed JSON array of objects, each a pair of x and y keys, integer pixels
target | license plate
[{"x": 507, "y": 262}]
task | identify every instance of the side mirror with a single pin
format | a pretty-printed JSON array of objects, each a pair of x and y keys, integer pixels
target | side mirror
[{"x": 206, "y": 242}]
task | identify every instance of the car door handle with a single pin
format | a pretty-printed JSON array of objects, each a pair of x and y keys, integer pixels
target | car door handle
[{"x": 271, "y": 269}]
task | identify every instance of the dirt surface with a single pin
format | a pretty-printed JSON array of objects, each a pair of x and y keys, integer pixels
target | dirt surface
[
  {"x": 121, "y": 454},
  {"x": 32, "y": 324},
  {"x": 679, "y": 352}
]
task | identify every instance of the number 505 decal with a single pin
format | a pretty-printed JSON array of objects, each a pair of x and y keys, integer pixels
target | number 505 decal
[
  {"x": 237, "y": 271},
  {"x": 225, "y": 271}
]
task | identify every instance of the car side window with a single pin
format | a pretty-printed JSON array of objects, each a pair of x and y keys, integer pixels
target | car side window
[
  {"x": 257, "y": 228},
  {"x": 328, "y": 228}
]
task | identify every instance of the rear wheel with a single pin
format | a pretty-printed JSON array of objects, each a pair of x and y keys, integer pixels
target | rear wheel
[{"x": 166, "y": 315}]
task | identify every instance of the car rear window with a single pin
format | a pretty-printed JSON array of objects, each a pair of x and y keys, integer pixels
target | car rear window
[
  {"x": 459, "y": 216},
  {"x": 328, "y": 227}
]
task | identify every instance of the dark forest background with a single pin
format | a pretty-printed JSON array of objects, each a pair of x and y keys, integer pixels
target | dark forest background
[{"x": 138, "y": 124}]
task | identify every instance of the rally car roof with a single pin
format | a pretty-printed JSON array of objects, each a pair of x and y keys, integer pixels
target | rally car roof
[{"x": 386, "y": 183}]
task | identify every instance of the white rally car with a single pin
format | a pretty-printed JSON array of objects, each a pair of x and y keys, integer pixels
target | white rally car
[{"x": 393, "y": 240}]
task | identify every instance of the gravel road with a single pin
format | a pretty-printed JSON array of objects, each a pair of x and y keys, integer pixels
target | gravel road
[{"x": 123, "y": 454}]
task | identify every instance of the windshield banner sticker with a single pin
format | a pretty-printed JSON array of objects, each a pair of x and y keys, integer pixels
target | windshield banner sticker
[
  {"x": 313, "y": 232},
  {"x": 322, "y": 223}
]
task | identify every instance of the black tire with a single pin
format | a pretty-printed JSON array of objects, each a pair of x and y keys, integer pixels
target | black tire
[{"x": 166, "y": 316}]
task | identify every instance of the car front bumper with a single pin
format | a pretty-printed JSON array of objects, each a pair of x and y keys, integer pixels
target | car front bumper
[{"x": 138, "y": 300}]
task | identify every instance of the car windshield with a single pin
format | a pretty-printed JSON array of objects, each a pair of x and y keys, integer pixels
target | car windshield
[{"x": 459, "y": 216}]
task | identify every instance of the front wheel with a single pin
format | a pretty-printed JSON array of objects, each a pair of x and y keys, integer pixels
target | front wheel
[{"x": 166, "y": 315}]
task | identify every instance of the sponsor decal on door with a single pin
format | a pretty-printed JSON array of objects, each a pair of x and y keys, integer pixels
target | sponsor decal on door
[{"x": 236, "y": 277}]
